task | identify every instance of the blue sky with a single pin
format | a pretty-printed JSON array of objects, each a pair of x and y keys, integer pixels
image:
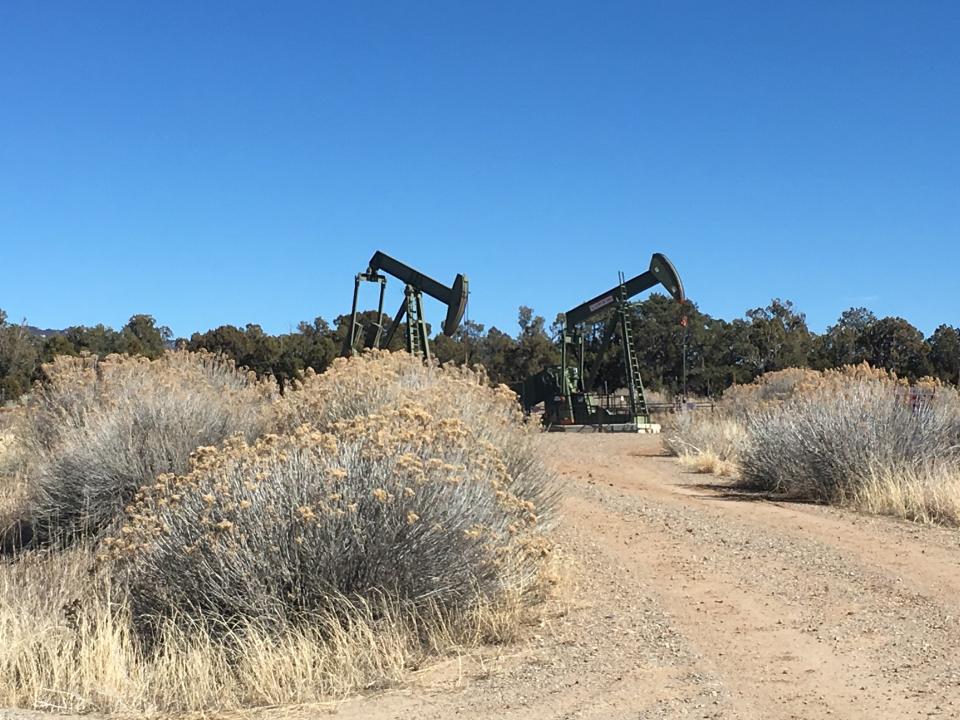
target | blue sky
[{"x": 237, "y": 162}]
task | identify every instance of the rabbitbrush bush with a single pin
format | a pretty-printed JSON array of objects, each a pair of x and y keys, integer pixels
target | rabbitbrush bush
[
  {"x": 96, "y": 430},
  {"x": 424, "y": 490},
  {"x": 380, "y": 380}
]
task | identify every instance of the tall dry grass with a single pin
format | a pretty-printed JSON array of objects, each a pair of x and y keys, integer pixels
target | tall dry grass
[
  {"x": 856, "y": 436},
  {"x": 696, "y": 433},
  {"x": 928, "y": 492},
  {"x": 396, "y": 512},
  {"x": 67, "y": 645},
  {"x": 705, "y": 441}
]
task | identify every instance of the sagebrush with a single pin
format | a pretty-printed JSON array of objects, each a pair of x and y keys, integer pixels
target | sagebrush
[
  {"x": 826, "y": 442},
  {"x": 395, "y": 504},
  {"x": 96, "y": 430},
  {"x": 855, "y": 436}
]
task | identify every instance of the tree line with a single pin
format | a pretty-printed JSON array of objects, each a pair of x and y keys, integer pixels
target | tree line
[{"x": 680, "y": 348}]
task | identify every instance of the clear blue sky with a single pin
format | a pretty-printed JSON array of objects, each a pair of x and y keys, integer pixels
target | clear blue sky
[{"x": 234, "y": 162}]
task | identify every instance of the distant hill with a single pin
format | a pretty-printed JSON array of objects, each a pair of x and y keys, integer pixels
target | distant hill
[
  {"x": 40, "y": 332},
  {"x": 50, "y": 332}
]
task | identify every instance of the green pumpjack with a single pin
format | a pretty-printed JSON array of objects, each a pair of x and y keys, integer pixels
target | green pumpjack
[
  {"x": 411, "y": 309},
  {"x": 566, "y": 391}
]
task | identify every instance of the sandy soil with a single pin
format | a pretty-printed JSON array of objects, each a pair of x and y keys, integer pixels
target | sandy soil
[{"x": 696, "y": 602}]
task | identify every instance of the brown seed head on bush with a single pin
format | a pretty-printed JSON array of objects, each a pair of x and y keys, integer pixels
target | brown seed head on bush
[
  {"x": 393, "y": 504},
  {"x": 378, "y": 381}
]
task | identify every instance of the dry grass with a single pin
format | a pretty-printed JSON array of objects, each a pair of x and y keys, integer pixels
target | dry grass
[
  {"x": 7, "y": 448},
  {"x": 81, "y": 655},
  {"x": 707, "y": 434},
  {"x": 708, "y": 462},
  {"x": 397, "y": 514},
  {"x": 927, "y": 494}
]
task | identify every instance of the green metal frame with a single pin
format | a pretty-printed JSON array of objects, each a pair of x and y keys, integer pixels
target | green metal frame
[
  {"x": 411, "y": 309},
  {"x": 567, "y": 391}
]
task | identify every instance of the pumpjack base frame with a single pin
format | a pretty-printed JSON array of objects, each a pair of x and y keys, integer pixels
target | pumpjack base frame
[{"x": 646, "y": 428}]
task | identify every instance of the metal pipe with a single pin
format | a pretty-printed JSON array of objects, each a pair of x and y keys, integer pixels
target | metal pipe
[
  {"x": 350, "y": 338},
  {"x": 383, "y": 287},
  {"x": 396, "y": 323}
]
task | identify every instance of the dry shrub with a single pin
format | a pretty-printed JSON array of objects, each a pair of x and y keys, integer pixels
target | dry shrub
[
  {"x": 768, "y": 389},
  {"x": 13, "y": 487},
  {"x": 378, "y": 380},
  {"x": 721, "y": 433},
  {"x": 9, "y": 474},
  {"x": 856, "y": 436},
  {"x": 291, "y": 568},
  {"x": 97, "y": 429},
  {"x": 397, "y": 505},
  {"x": 855, "y": 425}
]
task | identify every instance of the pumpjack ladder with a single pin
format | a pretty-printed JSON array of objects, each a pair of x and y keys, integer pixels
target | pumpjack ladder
[{"x": 638, "y": 400}]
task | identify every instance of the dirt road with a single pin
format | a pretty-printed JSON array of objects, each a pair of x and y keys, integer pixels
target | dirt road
[{"x": 693, "y": 602}]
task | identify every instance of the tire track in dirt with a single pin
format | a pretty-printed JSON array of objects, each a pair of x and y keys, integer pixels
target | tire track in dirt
[
  {"x": 802, "y": 609},
  {"x": 926, "y": 558},
  {"x": 765, "y": 647}
]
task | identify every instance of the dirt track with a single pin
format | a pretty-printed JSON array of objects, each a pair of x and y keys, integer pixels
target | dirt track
[{"x": 695, "y": 602}]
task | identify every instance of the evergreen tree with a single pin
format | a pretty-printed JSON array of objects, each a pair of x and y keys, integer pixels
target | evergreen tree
[
  {"x": 944, "y": 353},
  {"x": 19, "y": 357},
  {"x": 843, "y": 343},
  {"x": 896, "y": 345}
]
